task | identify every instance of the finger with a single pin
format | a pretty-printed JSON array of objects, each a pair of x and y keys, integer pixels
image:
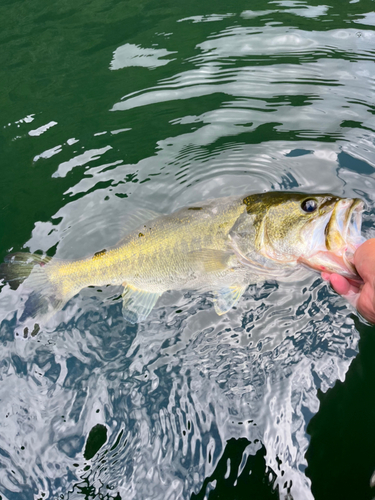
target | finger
[
  {"x": 366, "y": 302},
  {"x": 364, "y": 261},
  {"x": 342, "y": 286},
  {"x": 357, "y": 283}
]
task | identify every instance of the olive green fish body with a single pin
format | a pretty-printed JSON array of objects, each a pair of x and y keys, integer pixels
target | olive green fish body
[
  {"x": 219, "y": 246},
  {"x": 170, "y": 252}
]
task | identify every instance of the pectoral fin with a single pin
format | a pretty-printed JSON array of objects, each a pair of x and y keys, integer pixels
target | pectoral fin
[
  {"x": 227, "y": 297},
  {"x": 137, "y": 304},
  {"x": 211, "y": 260}
]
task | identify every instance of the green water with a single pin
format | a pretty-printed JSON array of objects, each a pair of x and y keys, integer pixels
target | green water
[{"x": 108, "y": 107}]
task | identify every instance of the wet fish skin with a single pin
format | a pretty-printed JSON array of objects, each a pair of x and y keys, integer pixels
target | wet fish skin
[{"x": 219, "y": 245}]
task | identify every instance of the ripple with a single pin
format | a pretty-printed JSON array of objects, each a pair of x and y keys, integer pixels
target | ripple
[{"x": 247, "y": 104}]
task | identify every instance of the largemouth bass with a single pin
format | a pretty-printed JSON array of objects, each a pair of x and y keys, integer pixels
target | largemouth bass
[{"x": 219, "y": 246}]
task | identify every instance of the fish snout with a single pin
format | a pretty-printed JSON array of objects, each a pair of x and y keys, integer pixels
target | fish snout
[{"x": 343, "y": 231}]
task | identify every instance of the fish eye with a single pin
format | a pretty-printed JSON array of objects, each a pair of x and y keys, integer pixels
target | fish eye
[{"x": 309, "y": 206}]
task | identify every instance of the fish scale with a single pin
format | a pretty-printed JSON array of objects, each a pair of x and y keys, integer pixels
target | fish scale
[{"x": 219, "y": 246}]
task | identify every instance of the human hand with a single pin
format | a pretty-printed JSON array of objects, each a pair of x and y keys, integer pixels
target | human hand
[{"x": 361, "y": 296}]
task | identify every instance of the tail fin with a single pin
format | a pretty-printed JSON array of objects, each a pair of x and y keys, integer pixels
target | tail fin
[
  {"x": 34, "y": 271},
  {"x": 18, "y": 266}
]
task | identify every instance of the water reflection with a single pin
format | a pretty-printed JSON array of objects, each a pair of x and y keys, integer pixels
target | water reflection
[
  {"x": 246, "y": 102},
  {"x": 178, "y": 387},
  {"x": 342, "y": 436}
]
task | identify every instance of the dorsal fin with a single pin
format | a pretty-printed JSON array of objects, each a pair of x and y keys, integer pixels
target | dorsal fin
[{"x": 136, "y": 219}]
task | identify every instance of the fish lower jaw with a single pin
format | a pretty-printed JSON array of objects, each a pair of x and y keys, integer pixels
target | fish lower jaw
[{"x": 328, "y": 262}]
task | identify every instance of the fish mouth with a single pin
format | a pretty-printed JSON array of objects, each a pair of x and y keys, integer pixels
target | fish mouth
[
  {"x": 342, "y": 237},
  {"x": 343, "y": 231}
]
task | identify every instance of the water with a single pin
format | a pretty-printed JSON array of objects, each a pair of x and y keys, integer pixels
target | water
[{"x": 109, "y": 108}]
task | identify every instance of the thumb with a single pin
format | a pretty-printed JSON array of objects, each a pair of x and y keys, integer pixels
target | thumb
[
  {"x": 364, "y": 261},
  {"x": 366, "y": 302}
]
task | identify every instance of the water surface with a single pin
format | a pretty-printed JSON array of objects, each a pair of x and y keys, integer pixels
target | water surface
[{"x": 112, "y": 108}]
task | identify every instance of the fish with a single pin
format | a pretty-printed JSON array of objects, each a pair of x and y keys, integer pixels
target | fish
[{"x": 219, "y": 246}]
